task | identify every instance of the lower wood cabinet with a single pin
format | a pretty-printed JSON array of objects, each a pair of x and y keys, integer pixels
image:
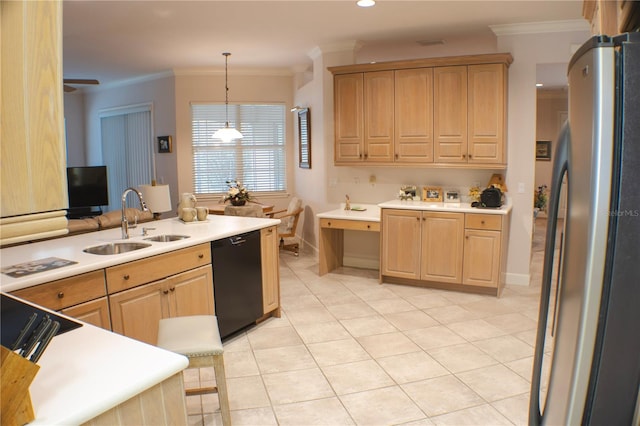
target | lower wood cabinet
[
  {"x": 136, "y": 312},
  {"x": 445, "y": 249},
  {"x": 270, "y": 270},
  {"x": 95, "y": 312}
]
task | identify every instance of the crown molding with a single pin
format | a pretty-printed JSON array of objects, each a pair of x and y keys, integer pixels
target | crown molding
[
  {"x": 277, "y": 72},
  {"x": 541, "y": 27}
]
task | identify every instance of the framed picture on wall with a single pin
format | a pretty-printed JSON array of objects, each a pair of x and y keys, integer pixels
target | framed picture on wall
[
  {"x": 164, "y": 144},
  {"x": 543, "y": 150}
]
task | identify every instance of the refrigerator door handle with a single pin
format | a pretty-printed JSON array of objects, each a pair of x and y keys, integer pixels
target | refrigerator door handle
[{"x": 560, "y": 166}]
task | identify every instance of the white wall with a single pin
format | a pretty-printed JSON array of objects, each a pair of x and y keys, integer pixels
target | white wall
[
  {"x": 75, "y": 129},
  {"x": 549, "y": 107}
]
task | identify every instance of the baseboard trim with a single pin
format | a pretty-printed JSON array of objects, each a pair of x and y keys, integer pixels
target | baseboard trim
[{"x": 517, "y": 279}]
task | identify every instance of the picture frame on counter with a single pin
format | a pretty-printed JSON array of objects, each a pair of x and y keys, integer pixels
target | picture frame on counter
[
  {"x": 432, "y": 194},
  {"x": 451, "y": 196},
  {"x": 408, "y": 192}
]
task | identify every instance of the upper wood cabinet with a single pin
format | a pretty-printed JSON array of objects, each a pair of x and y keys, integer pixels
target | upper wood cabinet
[
  {"x": 33, "y": 171},
  {"x": 439, "y": 112}
]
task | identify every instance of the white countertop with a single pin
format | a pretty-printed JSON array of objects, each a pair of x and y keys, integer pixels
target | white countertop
[
  {"x": 87, "y": 371},
  {"x": 445, "y": 207},
  {"x": 371, "y": 213},
  {"x": 70, "y": 248}
]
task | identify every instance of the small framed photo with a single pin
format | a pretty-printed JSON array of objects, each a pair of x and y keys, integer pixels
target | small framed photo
[
  {"x": 432, "y": 194},
  {"x": 451, "y": 196},
  {"x": 164, "y": 144},
  {"x": 408, "y": 192},
  {"x": 543, "y": 150}
]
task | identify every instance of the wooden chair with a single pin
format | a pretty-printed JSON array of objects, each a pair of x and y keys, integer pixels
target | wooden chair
[
  {"x": 197, "y": 337},
  {"x": 289, "y": 221}
]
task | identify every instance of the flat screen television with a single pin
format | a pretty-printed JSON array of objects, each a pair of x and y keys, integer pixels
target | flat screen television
[{"x": 87, "y": 186}]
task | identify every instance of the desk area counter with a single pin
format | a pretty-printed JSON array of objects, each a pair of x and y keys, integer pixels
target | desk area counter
[{"x": 444, "y": 207}]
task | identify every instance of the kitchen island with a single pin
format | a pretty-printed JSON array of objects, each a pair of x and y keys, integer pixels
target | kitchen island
[{"x": 90, "y": 372}]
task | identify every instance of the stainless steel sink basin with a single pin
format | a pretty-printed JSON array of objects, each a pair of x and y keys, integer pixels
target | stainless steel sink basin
[
  {"x": 115, "y": 248},
  {"x": 166, "y": 238}
]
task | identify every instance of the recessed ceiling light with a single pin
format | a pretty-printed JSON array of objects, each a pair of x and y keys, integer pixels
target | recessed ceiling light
[
  {"x": 539, "y": 84},
  {"x": 366, "y": 3}
]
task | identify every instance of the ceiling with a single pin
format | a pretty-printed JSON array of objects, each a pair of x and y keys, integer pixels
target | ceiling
[{"x": 119, "y": 40}]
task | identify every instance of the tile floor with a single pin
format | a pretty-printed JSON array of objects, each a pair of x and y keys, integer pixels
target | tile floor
[{"x": 348, "y": 350}]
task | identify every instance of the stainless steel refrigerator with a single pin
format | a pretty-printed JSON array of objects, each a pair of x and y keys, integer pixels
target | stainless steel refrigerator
[{"x": 587, "y": 358}]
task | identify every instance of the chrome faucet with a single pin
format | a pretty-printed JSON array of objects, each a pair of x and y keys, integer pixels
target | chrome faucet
[{"x": 124, "y": 222}]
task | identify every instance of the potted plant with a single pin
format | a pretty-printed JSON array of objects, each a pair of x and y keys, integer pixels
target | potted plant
[
  {"x": 237, "y": 194},
  {"x": 539, "y": 200}
]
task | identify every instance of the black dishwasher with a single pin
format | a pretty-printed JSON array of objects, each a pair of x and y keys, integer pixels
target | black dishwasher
[{"x": 237, "y": 281}]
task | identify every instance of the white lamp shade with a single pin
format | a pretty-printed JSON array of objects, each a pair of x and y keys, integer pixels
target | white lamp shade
[
  {"x": 227, "y": 134},
  {"x": 157, "y": 198}
]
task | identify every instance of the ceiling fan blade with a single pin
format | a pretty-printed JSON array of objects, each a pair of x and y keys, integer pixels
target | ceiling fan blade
[
  {"x": 80, "y": 81},
  {"x": 69, "y": 89}
]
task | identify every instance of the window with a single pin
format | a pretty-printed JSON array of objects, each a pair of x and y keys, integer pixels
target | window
[{"x": 257, "y": 160}]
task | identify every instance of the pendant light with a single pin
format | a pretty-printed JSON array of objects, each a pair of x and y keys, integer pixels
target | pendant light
[{"x": 227, "y": 134}]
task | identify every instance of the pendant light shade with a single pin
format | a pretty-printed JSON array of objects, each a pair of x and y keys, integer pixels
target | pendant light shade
[{"x": 226, "y": 134}]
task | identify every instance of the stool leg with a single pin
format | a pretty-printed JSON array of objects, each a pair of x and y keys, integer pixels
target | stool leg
[{"x": 221, "y": 382}]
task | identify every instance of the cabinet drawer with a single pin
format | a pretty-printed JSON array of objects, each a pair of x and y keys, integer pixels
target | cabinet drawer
[
  {"x": 358, "y": 225},
  {"x": 483, "y": 221},
  {"x": 66, "y": 292},
  {"x": 132, "y": 274}
]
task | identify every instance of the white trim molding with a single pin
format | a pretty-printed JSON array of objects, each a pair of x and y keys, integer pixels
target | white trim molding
[{"x": 541, "y": 27}]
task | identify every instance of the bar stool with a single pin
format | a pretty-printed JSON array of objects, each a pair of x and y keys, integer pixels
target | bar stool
[{"x": 198, "y": 338}]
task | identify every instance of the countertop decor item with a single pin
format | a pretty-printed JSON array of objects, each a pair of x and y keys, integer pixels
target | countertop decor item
[
  {"x": 237, "y": 194},
  {"x": 157, "y": 198},
  {"x": 432, "y": 194},
  {"x": 491, "y": 197},
  {"x": 227, "y": 134}
]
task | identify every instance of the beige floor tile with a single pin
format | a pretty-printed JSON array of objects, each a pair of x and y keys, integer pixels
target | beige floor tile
[
  {"x": 488, "y": 307},
  {"x": 322, "y": 332},
  {"x": 264, "y": 338},
  {"x": 367, "y": 326},
  {"x": 442, "y": 395},
  {"x": 461, "y": 357},
  {"x": 494, "y": 382},
  {"x": 473, "y": 330},
  {"x": 288, "y": 358},
  {"x": 505, "y": 348},
  {"x": 300, "y": 301},
  {"x": 429, "y": 300},
  {"x": 451, "y": 313},
  {"x": 328, "y": 411},
  {"x": 381, "y": 407},
  {"x": 434, "y": 337},
  {"x": 421, "y": 422},
  {"x": 412, "y": 367},
  {"x": 240, "y": 364},
  {"x": 523, "y": 367},
  {"x": 407, "y": 291},
  {"x": 310, "y": 315},
  {"x": 529, "y": 336},
  {"x": 381, "y": 345},
  {"x": 239, "y": 342},
  {"x": 375, "y": 294},
  {"x": 297, "y": 386},
  {"x": 273, "y": 322},
  {"x": 351, "y": 310},
  {"x": 410, "y": 320},
  {"x": 255, "y": 416},
  {"x": 247, "y": 392},
  {"x": 329, "y": 299},
  {"x": 474, "y": 416},
  {"x": 389, "y": 306},
  {"x": 459, "y": 297},
  {"x": 516, "y": 409},
  {"x": 357, "y": 377},
  {"x": 512, "y": 323},
  {"x": 337, "y": 352}
]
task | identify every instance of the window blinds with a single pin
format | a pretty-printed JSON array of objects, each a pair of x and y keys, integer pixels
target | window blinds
[{"x": 257, "y": 160}]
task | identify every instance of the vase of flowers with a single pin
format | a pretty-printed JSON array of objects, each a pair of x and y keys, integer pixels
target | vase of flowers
[
  {"x": 539, "y": 200},
  {"x": 237, "y": 194}
]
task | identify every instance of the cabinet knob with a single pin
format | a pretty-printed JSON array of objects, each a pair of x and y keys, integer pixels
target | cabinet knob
[
  {"x": 165, "y": 291},
  {"x": 464, "y": 155},
  {"x": 396, "y": 156},
  {"x": 368, "y": 226},
  {"x": 270, "y": 231},
  {"x": 470, "y": 156},
  {"x": 482, "y": 222},
  {"x": 60, "y": 295},
  {"x": 329, "y": 223},
  {"x": 126, "y": 277},
  {"x": 200, "y": 256},
  {"x": 172, "y": 289},
  {"x": 365, "y": 155}
]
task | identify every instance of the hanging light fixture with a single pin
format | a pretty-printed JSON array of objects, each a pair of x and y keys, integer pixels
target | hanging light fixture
[{"x": 227, "y": 134}]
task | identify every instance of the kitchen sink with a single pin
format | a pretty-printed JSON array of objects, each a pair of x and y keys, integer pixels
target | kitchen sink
[
  {"x": 166, "y": 238},
  {"x": 115, "y": 248}
]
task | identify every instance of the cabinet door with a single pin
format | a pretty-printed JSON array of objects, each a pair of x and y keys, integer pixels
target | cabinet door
[
  {"x": 348, "y": 119},
  {"x": 442, "y": 246},
  {"x": 414, "y": 115},
  {"x": 450, "y": 114},
  {"x": 95, "y": 312},
  {"x": 487, "y": 113},
  {"x": 191, "y": 293},
  {"x": 481, "y": 258},
  {"x": 378, "y": 116},
  {"x": 136, "y": 312},
  {"x": 270, "y": 269},
  {"x": 401, "y": 243}
]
